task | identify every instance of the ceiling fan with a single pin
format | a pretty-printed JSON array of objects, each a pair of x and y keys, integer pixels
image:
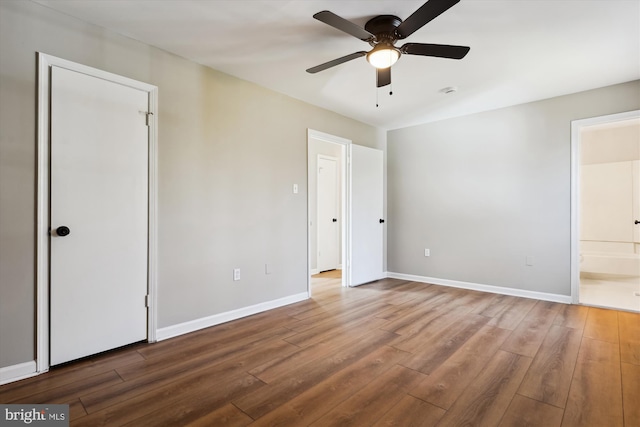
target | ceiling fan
[{"x": 382, "y": 32}]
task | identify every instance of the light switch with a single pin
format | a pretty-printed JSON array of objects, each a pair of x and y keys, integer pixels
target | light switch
[{"x": 295, "y": 188}]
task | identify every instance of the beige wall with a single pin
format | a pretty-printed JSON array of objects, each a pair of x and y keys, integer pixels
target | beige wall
[
  {"x": 229, "y": 153},
  {"x": 485, "y": 191}
]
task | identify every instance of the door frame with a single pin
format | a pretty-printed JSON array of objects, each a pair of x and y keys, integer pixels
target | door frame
[
  {"x": 345, "y": 208},
  {"x": 337, "y": 200},
  {"x": 576, "y": 139},
  {"x": 45, "y": 62}
]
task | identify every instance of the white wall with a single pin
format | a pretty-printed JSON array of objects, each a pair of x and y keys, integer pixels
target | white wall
[
  {"x": 485, "y": 191},
  {"x": 229, "y": 153}
]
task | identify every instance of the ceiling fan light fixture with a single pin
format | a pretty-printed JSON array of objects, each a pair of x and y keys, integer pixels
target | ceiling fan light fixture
[{"x": 383, "y": 56}]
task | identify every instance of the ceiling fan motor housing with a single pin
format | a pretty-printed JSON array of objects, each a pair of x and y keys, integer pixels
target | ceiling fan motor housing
[{"x": 384, "y": 29}]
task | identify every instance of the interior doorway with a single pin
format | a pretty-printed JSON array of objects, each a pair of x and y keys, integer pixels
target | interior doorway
[
  {"x": 606, "y": 211},
  {"x": 361, "y": 208},
  {"x": 327, "y": 201}
]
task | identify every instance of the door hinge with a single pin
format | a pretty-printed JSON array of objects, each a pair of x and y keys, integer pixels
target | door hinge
[
  {"x": 146, "y": 300},
  {"x": 149, "y": 114}
]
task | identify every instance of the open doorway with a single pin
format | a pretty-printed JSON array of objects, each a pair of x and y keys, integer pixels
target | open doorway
[
  {"x": 328, "y": 222},
  {"x": 606, "y": 211}
]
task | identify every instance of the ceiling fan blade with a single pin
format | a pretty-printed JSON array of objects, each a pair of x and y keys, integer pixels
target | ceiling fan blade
[
  {"x": 427, "y": 12},
  {"x": 335, "y": 62},
  {"x": 383, "y": 77},
  {"x": 438, "y": 50},
  {"x": 342, "y": 24}
]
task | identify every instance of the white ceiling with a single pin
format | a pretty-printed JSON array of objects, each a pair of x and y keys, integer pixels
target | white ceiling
[{"x": 521, "y": 50}]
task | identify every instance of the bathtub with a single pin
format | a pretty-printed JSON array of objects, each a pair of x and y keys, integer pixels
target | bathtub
[{"x": 625, "y": 264}]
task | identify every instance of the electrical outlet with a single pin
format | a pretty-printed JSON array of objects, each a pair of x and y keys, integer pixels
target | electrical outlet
[
  {"x": 236, "y": 274},
  {"x": 427, "y": 252}
]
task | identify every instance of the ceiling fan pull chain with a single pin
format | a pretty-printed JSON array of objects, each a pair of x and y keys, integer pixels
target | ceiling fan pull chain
[{"x": 377, "y": 97}]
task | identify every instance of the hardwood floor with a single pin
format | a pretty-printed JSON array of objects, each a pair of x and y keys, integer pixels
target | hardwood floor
[{"x": 391, "y": 353}]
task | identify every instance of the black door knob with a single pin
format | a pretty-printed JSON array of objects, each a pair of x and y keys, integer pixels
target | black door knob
[
  {"x": 334, "y": 220},
  {"x": 637, "y": 222},
  {"x": 63, "y": 231},
  {"x": 381, "y": 221}
]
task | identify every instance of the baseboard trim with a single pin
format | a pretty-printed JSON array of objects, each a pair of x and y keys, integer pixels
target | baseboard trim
[
  {"x": 12, "y": 373},
  {"x": 216, "y": 319},
  {"x": 314, "y": 271},
  {"x": 564, "y": 299}
]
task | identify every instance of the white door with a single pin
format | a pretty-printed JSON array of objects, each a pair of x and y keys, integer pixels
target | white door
[
  {"x": 99, "y": 190},
  {"x": 367, "y": 220},
  {"x": 328, "y": 224}
]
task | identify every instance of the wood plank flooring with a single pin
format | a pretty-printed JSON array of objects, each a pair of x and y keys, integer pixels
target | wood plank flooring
[{"x": 391, "y": 353}]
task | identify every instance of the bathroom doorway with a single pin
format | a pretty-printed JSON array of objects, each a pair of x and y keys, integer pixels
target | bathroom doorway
[{"x": 606, "y": 211}]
